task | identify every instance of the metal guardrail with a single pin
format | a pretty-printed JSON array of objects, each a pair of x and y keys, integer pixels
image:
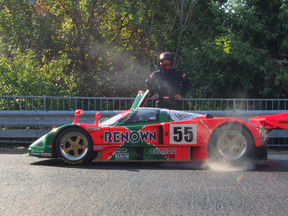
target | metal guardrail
[
  {"x": 44, "y": 112},
  {"x": 44, "y": 121},
  {"x": 47, "y": 119},
  {"x": 26, "y": 103},
  {"x": 27, "y": 126}
]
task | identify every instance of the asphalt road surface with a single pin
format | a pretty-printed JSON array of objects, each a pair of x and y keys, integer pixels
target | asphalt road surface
[{"x": 33, "y": 186}]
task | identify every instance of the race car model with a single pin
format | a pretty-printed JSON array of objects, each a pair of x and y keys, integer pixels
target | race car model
[{"x": 152, "y": 134}]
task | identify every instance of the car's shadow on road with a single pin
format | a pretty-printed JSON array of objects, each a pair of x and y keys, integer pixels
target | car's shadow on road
[
  {"x": 132, "y": 166},
  {"x": 265, "y": 166}
]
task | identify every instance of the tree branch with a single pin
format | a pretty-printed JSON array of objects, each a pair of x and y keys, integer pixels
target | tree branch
[{"x": 2, "y": 4}]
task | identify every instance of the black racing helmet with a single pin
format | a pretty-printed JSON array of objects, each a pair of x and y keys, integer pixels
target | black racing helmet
[{"x": 166, "y": 55}]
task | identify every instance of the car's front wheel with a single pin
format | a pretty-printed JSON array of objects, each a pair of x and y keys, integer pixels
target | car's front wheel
[{"x": 74, "y": 146}]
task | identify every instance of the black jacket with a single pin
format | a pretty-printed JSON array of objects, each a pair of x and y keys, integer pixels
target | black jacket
[{"x": 167, "y": 83}]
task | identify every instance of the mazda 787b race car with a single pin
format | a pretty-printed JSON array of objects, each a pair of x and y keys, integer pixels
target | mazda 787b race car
[{"x": 152, "y": 134}]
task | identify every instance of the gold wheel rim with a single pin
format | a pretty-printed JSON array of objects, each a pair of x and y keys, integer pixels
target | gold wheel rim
[{"x": 74, "y": 145}]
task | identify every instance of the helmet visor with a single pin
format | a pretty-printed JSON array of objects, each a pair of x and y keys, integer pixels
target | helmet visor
[{"x": 166, "y": 61}]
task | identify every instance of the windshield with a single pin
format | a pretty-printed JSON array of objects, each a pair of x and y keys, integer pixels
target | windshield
[{"x": 115, "y": 119}]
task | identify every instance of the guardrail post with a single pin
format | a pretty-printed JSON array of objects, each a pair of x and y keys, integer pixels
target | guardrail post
[{"x": 44, "y": 103}]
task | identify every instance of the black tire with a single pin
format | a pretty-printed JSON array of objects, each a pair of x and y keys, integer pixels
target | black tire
[
  {"x": 74, "y": 146},
  {"x": 230, "y": 143}
]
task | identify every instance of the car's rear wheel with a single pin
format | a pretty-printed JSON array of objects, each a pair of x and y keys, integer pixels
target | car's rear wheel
[
  {"x": 74, "y": 146},
  {"x": 230, "y": 143}
]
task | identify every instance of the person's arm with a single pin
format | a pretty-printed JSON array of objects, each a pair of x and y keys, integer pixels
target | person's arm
[
  {"x": 149, "y": 84},
  {"x": 186, "y": 85}
]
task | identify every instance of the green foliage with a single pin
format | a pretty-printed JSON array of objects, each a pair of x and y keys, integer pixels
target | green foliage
[
  {"x": 248, "y": 60},
  {"x": 22, "y": 75},
  {"x": 109, "y": 47}
]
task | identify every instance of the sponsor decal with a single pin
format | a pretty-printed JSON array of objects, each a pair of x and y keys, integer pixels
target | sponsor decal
[
  {"x": 134, "y": 137},
  {"x": 170, "y": 156},
  {"x": 162, "y": 153},
  {"x": 121, "y": 150},
  {"x": 121, "y": 156},
  {"x": 92, "y": 128},
  {"x": 35, "y": 153},
  {"x": 154, "y": 151},
  {"x": 283, "y": 122},
  {"x": 165, "y": 97},
  {"x": 46, "y": 154},
  {"x": 37, "y": 150},
  {"x": 98, "y": 147},
  {"x": 49, "y": 146}
]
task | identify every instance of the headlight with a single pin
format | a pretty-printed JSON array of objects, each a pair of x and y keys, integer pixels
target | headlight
[{"x": 39, "y": 142}]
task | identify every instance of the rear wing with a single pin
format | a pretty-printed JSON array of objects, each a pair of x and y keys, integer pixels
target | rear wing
[{"x": 271, "y": 121}]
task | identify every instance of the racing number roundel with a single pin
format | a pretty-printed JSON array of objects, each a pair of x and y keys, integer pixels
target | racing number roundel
[{"x": 183, "y": 133}]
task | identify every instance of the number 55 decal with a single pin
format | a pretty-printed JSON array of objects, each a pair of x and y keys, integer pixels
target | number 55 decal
[{"x": 183, "y": 134}]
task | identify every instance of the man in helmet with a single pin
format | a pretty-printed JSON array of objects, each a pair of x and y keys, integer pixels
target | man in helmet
[{"x": 167, "y": 85}]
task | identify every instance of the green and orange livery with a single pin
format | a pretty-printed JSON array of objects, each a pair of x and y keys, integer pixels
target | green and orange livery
[{"x": 152, "y": 134}]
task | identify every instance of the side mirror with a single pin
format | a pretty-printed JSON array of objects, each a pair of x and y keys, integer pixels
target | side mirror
[
  {"x": 77, "y": 113},
  {"x": 97, "y": 115}
]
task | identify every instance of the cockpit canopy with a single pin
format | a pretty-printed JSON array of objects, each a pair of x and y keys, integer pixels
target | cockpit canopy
[
  {"x": 140, "y": 114},
  {"x": 149, "y": 116}
]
